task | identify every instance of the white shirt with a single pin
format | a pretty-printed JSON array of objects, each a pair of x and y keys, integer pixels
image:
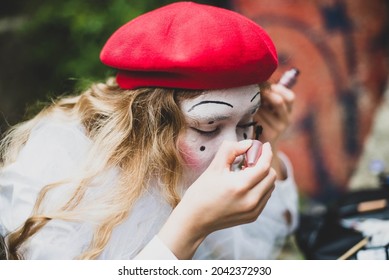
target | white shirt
[{"x": 55, "y": 151}]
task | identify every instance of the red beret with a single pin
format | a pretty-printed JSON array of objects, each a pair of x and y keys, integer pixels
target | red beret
[{"x": 192, "y": 46}]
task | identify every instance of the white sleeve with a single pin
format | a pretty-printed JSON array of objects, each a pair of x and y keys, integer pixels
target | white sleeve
[
  {"x": 156, "y": 250},
  {"x": 264, "y": 238},
  {"x": 51, "y": 154},
  {"x": 288, "y": 193}
]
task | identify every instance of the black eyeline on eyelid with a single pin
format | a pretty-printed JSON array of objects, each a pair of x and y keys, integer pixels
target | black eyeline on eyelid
[
  {"x": 208, "y": 133},
  {"x": 246, "y": 125}
]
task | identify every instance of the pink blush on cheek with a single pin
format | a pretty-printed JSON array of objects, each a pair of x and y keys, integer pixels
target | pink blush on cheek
[{"x": 190, "y": 155}]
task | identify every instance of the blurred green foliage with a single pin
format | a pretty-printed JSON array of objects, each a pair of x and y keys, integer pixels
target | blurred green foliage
[{"x": 64, "y": 38}]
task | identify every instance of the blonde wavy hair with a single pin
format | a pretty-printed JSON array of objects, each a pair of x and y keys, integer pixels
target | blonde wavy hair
[{"x": 135, "y": 131}]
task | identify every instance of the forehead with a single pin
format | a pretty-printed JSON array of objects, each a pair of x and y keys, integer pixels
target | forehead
[{"x": 239, "y": 98}]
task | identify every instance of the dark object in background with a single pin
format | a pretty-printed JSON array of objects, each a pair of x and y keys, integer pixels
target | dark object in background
[
  {"x": 383, "y": 178},
  {"x": 322, "y": 236}
]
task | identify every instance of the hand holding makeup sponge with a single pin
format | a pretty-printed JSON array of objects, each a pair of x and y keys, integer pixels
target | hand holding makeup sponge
[
  {"x": 288, "y": 79},
  {"x": 253, "y": 153}
]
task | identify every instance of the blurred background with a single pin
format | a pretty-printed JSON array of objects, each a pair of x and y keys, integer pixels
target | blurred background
[{"x": 338, "y": 140}]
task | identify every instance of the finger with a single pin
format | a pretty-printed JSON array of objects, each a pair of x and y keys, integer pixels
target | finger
[
  {"x": 254, "y": 174},
  {"x": 262, "y": 203},
  {"x": 272, "y": 127},
  {"x": 228, "y": 152},
  {"x": 265, "y": 186},
  {"x": 259, "y": 204},
  {"x": 270, "y": 122},
  {"x": 271, "y": 108},
  {"x": 282, "y": 92},
  {"x": 251, "y": 208},
  {"x": 287, "y": 94},
  {"x": 277, "y": 106}
]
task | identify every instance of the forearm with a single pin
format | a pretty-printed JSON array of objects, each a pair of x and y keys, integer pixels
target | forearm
[
  {"x": 180, "y": 236},
  {"x": 220, "y": 198}
]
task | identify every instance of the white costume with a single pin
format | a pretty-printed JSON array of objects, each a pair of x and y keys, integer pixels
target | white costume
[{"x": 54, "y": 152}]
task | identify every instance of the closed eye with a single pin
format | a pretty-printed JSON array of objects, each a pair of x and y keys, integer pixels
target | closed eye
[{"x": 206, "y": 132}]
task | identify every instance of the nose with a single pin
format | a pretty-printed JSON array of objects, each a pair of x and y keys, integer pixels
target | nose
[{"x": 233, "y": 136}]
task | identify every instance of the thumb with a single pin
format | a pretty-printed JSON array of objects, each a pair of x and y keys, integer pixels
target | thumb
[{"x": 229, "y": 151}]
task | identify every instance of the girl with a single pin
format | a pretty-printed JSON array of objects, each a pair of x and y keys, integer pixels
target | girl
[{"x": 149, "y": 165}]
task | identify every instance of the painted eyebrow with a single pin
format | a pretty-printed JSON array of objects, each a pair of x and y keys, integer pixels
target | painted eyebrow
[
  {"x": 210, "y": 101},
  {"x": 254, "y": 96},
  {"x": 216, "y": 118},
  {"x": 211, "y": 119}
]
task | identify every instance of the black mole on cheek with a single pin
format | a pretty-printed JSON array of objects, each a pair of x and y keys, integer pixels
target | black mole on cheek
[
  {"x": 202, "y": 148},
  {"x": 244, "y": 135}
]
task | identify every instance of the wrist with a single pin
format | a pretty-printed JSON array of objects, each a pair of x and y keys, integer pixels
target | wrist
[
  {"x": 180, "y": 234},
  {"x": 279, "y": 167}
]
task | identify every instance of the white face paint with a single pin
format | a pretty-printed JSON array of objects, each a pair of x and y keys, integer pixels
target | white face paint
[{"x": 212, "y": 117}]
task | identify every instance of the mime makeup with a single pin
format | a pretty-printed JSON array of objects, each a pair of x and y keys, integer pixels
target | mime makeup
[
  {"x": 214, "y": 117},
  {"x": 258, "y": 131}
]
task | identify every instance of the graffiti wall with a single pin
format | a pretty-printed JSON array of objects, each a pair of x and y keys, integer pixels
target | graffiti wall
[{"x": 340, "y": 48}]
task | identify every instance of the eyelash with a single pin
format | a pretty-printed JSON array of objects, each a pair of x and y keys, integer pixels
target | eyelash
[
  {"x": 247, "y": 125},
  {"x": 212, "y": 132},
  {"x": 206, "y": 133}
]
